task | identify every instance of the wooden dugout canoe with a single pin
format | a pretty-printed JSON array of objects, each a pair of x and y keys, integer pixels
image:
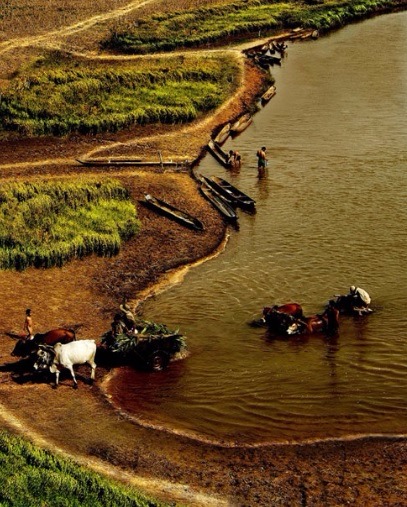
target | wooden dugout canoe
[
  {"x": 241, "y": 124},
  {"x": 216, "y": 151},
  {"x": 223, "y": 134},
  {"x": 130, "y": 162},
  {"x": 237, "y": 197},
  {"x": 172, "y": 212},
  {"x": 268, "y": 94},
  {"x": 218, "y": 202}
]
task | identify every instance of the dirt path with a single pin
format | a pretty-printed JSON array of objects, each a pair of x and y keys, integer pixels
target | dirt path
[{"x": 54, "y": 39}]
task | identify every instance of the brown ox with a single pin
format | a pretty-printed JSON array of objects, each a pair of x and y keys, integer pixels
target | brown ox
[
  {"x": 327, "y": 322},
  {"x": 280, "y": 318},
  {"x": 24, "y": 347},
  {"x": 293, "y": 309}
]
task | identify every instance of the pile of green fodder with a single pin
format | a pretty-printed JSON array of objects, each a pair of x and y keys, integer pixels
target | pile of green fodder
[
  {"x": 33, "y": 476},
  {"x": 59, "y": 95},
  {"x": 46, "y": 224},
  {"x": 124, "y": 344},
  {"x": 194, "y": 27}
]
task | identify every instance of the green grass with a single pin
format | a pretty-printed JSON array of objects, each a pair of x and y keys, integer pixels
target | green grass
[
  {"x": 48, "y": 224},
  {"x": 62, "y": 95},
  {"x": 33, "y": 477},
  {"x": 240, "y": 18}
]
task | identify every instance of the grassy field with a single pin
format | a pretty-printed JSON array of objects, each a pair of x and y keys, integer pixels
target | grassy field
[
  {"x": 34, "y": 477},
  {"x": 47, "y": 224},
  {"x": 209, "y": 24},
  {"x": 58, "y": 95}
]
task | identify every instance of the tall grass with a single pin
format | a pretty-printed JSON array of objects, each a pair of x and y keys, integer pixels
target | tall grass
[
  {"x": 34, "y": 477},
  {"x": 194, "y": 27},
  {"x": 47, "y": 224},
  {"x": 62, "y": 95}
]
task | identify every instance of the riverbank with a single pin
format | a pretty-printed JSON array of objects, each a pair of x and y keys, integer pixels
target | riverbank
[{"x": 360, "y": 472}]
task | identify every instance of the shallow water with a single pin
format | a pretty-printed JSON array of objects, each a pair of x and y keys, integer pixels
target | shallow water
[{"x": 331, "y": 212}]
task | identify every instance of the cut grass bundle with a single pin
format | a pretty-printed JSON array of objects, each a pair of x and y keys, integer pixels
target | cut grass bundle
[
  {"x": 61, "y": 95},
  {"x": 35, "y": 477},
  {"x": 47, "y": 224}
]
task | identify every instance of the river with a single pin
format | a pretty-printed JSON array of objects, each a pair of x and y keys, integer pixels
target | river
[{"x": 331, "y": 212}]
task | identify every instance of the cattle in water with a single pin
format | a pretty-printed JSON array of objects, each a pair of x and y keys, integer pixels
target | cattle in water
[
  {"x": 293, "y": 309},
  {"x": 66, "y": 356},
  {"x": 346, "y": 305},
  {"x": 327, "y": 322},
  {"x": 25, "y": 347},
  {"x": 280, "y": 318}
]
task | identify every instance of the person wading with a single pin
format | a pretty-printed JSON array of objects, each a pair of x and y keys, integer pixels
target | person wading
[{"x": 261, "y": 160}]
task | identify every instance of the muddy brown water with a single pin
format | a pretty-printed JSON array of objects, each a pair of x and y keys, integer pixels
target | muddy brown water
[{"x": 331, "y": 212}]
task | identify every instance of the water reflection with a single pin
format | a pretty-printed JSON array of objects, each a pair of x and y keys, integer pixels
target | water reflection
[{"x": 330, "y": 213}]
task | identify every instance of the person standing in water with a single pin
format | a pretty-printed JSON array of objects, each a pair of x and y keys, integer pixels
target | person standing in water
[
  {"x": 28, "y": 325},
  {"x": 261, "y": 161}
]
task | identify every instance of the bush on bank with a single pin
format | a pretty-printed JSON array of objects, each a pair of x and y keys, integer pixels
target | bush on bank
[
  {"x": 35, "y": 477},
  {"x": 166, "y": 32},
  {"x": 60, "y": 95},
  {"x": 47, "y": 224}
]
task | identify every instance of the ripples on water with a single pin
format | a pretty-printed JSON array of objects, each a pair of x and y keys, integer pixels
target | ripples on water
[{"x": 331, "y": 213}]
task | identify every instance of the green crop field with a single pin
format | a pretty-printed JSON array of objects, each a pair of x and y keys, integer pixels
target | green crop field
[
  {"x": 33, "y": 477},
  {"x": 58, "y": 95},
  {"x": 214, "y": 23},
  {"x": 47, "y": 224}
]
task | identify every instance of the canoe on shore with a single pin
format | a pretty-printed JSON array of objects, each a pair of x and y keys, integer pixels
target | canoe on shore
[
  {"x": 129, "y": 162},
  {"x": 241, "y": 124},
  {"x": 268, "y": 94},
  {"x": 223, "y": 134},
  {"x": 237, "y": 197},
  {"x": 216, "y": 151},
  {"x": 217, "y": 201},
  {"x": 172, "y": 212}
]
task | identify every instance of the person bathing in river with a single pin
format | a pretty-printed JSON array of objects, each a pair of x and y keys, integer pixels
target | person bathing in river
[
  {"x": 235, "y": 159},
  {"x": 360, "y": 297}
]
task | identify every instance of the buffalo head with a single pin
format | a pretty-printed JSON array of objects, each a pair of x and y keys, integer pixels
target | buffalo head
[{"x": 45, "y": 357}]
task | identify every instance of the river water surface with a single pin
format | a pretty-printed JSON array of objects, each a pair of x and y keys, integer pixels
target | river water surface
[{"x": 331, "y": 212}]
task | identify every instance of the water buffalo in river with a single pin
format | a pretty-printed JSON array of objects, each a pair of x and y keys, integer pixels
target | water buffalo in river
[
  {"x": 25, "y": 347},
  {"x": 279, "y": 318},
  {"x": 346, "y": 305},
  {"x": 327, "y": 322}
]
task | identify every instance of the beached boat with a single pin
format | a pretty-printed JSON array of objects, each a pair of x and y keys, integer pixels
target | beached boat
[
  {"x": 216, "y": 151},
  {"x": 208, "y": 183},
  {"x": 130, "y": 162},
  {"x": 218, "y": 201},
  {"x": 268, "y": 94},
  {"x": 241, "y": 124},
  {"x": 223, "y": 134},
  {"x": 270, "y": 58},
  {"x": 237, "y": 197},
  {"x": 172, "y": 212}
]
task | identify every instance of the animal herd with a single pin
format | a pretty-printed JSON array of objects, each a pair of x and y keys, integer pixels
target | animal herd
[
  {"x": 56, "y": 350},
  {"x": 289, "y": 319},
  {"x": 59, "y": 349}
]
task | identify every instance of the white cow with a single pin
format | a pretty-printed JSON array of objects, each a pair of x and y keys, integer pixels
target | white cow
[{"x": 66, "y": 356}]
